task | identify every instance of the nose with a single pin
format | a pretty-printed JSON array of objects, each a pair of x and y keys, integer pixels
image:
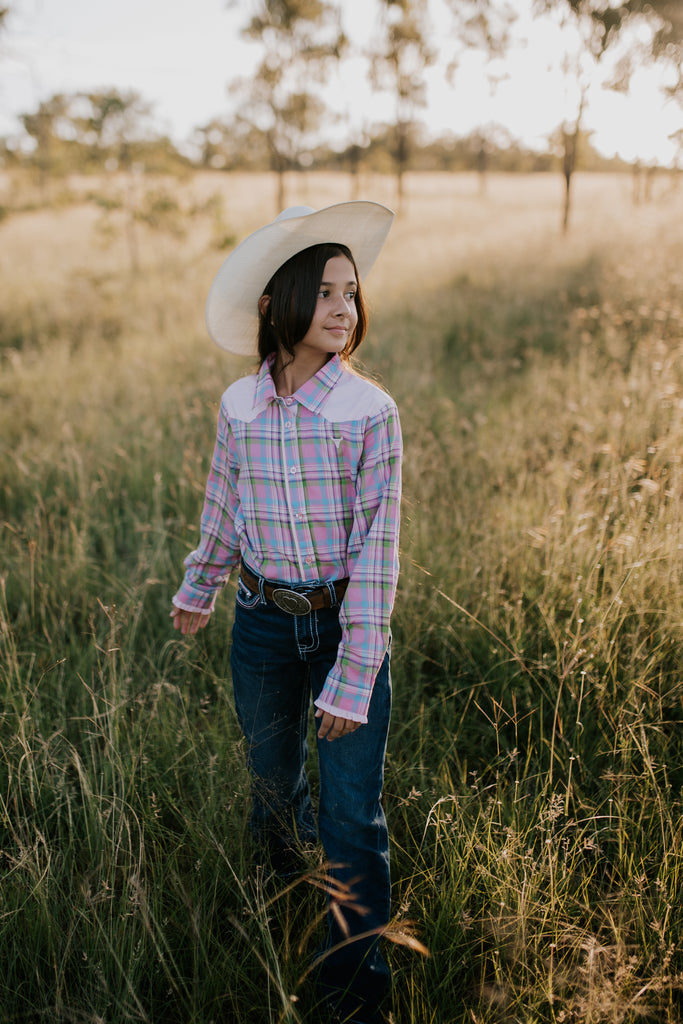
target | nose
[{"x": 343, "y": 306}]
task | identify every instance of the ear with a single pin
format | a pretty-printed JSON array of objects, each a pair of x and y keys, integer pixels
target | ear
[{"x": 263, "y": 304}]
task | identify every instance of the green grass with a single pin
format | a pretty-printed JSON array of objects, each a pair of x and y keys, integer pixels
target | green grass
[{"x": 535, "y": 766}]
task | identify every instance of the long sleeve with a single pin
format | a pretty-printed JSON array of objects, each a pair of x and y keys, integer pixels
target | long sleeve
[
  {"x": 373, "y": 563},
  {"x": 207, "y": 569}
]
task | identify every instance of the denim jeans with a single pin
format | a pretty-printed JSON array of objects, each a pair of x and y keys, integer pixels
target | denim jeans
[{"x": 279, "y": 662}]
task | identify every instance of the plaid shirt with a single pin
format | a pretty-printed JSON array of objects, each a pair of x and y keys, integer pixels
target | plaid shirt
[{"x": 307, "y": 489}]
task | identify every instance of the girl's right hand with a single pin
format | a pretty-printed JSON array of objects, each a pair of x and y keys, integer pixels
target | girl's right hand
[{"x": 189, "y": 622}]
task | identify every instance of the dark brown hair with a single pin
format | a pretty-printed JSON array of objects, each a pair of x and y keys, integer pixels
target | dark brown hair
[{"x": 293, "y": 292}]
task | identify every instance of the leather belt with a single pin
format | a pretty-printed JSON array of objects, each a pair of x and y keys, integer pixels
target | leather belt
[{"x": 295, "y": 602}]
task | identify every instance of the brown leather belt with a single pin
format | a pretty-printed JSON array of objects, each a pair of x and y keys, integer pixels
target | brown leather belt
[{"x": 295, "y": 602}]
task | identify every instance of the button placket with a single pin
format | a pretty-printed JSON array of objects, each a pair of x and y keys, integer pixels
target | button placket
[
  {"x": 298, "y": 513},
  {"x": 289, "y": 477}
]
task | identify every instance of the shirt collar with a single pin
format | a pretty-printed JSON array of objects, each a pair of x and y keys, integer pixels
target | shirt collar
[
  {"x": 265, "y": 385},
  {"x": 311, "y": 395}
]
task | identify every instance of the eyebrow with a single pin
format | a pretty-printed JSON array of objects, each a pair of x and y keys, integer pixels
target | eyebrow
[{"x": 330, "y": 284}]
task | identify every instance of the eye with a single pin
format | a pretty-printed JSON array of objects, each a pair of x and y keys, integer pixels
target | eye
[
  {"x": 351, "y": 294},
  {"x": 323, "y": 293}
]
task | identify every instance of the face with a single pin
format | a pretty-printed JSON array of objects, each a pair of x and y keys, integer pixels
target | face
[{"x": 335, "y": 317}]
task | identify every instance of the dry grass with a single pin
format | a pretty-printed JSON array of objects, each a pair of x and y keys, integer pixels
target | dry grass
[{"x": 535, "y": 768}]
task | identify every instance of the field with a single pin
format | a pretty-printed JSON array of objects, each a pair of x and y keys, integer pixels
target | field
[{"x": 535, "y": 768}]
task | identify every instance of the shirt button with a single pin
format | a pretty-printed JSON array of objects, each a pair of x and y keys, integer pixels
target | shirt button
[
  {"x": 288, "y": 401},
  {"x": 293, "y": 471},
  {"x": 309, "y": 560}
]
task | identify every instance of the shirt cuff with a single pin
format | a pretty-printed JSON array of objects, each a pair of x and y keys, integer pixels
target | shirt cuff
[
  {"x": 185, "y": 607},
  {"x": 338, "y": 713}
]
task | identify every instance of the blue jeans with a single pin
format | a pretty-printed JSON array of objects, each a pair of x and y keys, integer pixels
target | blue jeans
[{"x": 279, "y": 661}]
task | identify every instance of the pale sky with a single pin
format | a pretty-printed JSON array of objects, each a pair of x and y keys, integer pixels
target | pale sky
[{"x": 180, "y": 55}]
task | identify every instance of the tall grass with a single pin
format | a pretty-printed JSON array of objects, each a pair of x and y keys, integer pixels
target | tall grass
[{"x": 535, "y": 765}]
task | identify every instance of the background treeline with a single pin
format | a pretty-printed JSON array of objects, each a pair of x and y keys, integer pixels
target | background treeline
[
  {"x": 111, "y": 131},
  {"x": 289, "y": 112}
]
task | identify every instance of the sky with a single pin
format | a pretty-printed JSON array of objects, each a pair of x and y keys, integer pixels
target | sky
[{"x": 181, "y": 54}]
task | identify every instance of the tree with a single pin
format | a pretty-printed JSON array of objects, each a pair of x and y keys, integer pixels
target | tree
[
  {"x": 45, "y": 127},
  {"x": 81, "y": 131},
  {"x": 397, "y": 65},
  {"x": 230, "y": 144},
  {"x": 114, "y": 129},
  {"x": 667, "y": 49},
  {"x": 300, "y": 39},
  {"x": 484, "y": 26},
  {"x": 599, "y": 27},
  {"x": 587, "y": 28},
  {"x": 479, "y": 25},
  {"x": 354, "y": 156},
  {"x": 114, "y": 126}
]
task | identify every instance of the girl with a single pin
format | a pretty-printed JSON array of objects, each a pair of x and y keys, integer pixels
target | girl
[{"x": 303, "y": 496}]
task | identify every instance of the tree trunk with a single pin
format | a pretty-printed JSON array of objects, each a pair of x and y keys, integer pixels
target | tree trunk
[
  {"x": 567, "y": 201},
  {"x": 482, "y": 167},
  {"x": 354, "y": 157},
  {"x": 400, "y": 191},
  {"x": 402, "y": 153},
  {"x": 637, "y": 182},
  {"x": 281, "y": 191},
  {"x": 569, "y": 164},
  {"x": 278, "y": 164},
  {"x": 570, "y": 141}
]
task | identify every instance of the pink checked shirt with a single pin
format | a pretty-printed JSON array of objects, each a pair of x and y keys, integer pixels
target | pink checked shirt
[{"x": 307, "y": 489}]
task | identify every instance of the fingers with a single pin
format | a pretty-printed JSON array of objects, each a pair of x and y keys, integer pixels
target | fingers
[
  {"x": 189, "y": 622},
  {"x": 332, "y": 727}
]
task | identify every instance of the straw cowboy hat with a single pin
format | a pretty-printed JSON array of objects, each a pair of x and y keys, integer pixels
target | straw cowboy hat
[{"x": 232, "y": 303}]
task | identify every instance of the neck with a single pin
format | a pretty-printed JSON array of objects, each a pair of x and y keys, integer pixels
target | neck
[{"x": 290, "y": 376}]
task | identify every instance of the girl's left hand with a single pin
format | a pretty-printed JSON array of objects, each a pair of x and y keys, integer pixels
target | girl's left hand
[
  {"x": 332, "y": 727},
  {"x": 189, "y": 622}
]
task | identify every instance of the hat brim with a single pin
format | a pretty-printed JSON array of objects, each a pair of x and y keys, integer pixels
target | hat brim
[{"x": 232, "y": 303}]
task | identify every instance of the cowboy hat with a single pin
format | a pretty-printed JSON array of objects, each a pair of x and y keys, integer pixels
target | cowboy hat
[{"x": 232, "y": 303}]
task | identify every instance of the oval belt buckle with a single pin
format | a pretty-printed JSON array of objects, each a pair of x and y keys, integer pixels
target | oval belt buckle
[{"x": 291, "y": 602}]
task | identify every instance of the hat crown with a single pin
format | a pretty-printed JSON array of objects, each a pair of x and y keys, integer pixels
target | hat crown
[{"x": 295, "y": 211}]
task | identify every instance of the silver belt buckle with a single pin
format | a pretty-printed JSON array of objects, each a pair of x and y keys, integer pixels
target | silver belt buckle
[{"x": 291, "y": 602}]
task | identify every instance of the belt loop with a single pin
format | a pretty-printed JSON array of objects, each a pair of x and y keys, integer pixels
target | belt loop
[
  {"x": 332, "y": 591},
  {"x": 261, "y": 582}
]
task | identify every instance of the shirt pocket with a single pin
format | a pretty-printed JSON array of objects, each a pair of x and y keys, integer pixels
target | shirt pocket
[{"x": 341, "y": 449}]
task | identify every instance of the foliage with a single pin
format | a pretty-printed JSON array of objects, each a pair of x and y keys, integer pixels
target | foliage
[
  {"x": 603, "y": 28},
  {"x": 111, "y": 123},
  {"x": 301, "y": 40},
  {"x": 451, "y": 153},
  {"x": 480, "y": 24},
  {"x": 279, "y": 112},
  {"x": 89, "y": 132},
  {"x": 398, "y": 62},
  {"x": 605, "y": 24},
  {"x": 231, "y": 145},
  {"x": 667, "y": 45}
]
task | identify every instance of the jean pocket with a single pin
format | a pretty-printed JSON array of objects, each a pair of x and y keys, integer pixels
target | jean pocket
[{"x": 246, "y": 598}]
